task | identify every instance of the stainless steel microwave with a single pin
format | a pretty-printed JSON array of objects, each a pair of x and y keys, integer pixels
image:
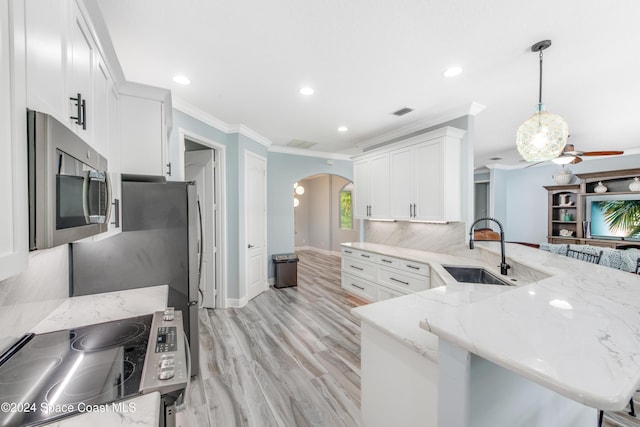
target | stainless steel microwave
[{"x": 69, "y": 189}]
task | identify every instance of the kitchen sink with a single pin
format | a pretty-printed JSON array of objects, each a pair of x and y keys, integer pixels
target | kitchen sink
[{"x": 476, "y": 275}]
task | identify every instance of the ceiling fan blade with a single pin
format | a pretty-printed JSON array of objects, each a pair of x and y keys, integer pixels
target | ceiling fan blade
[
  {"x": 576, "y": 160},
  {"x": 602, "y": 153},
  {"x": 532, "y": 164}
]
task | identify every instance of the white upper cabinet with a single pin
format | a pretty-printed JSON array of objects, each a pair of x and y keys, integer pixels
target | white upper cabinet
[
  {"x": 403, "y": 177},
  {"x": 362, "y": 188},
  {"x": 46, "y": 57},
  {"x": 14, "y": 234},
  {"x": 80, "y": 72},
  {"x": 100, "y": 116},
  {"x": 67, "y": 77},
  {"x": 372, "y": 188},
  {"x": 143, "y": 135},
  {"x": 419, "y": 178}
]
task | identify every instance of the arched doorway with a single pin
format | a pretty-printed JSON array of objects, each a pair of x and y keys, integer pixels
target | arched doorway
[{"x": 323, "y": 216}]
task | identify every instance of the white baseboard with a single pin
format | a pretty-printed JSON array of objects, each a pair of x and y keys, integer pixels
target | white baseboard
[
  {"x": 236, "y": 303},
  {"x": 321, "y": 251}
]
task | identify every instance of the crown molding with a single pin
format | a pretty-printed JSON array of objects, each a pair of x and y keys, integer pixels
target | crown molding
[
  {"x": 250, "y": 133},
  {"x": 308, "y": 153},
  {"x": 195, "y": 112},
  {"x": 467, "y": 110}
]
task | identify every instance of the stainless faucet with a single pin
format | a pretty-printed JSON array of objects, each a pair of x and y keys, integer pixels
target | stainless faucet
[{"x": 503, "y": 261}]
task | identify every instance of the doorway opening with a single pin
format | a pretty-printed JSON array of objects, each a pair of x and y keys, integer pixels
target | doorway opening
[
  {"x": 204, "y": 162},
  {"x": 323, "y": 214},
  {"x": 482, "y": 202}
]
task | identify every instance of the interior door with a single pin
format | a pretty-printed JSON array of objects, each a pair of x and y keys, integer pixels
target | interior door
[
  {"x": 199, "y": 168},
  {"x": 255, "y": 224}
]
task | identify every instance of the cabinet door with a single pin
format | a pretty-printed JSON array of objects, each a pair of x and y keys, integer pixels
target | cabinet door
[
  {"x": 402, "y": 183},
  {"x": 362, "y": 187},
  {"x": 100, "y": 117},
  {"x": 45, "y": 36},
  {"x": 80, "y": 54},
  {"x": 429, "y": 176},
  {"x": 379, "y": 195},
  {"x": 14, "y": 235},
  {"x": 141, "y": 129}
]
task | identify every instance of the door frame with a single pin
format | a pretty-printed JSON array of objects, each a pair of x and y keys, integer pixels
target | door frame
[
  {"x": 219, "y": 177},
  {"x": 243, "y": 250}
]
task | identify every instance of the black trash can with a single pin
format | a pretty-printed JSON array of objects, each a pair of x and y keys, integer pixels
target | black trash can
[{"x": 286, "y": 266}]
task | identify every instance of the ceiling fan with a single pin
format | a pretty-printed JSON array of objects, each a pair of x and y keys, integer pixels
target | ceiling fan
[{"x": 570, "y": 156}]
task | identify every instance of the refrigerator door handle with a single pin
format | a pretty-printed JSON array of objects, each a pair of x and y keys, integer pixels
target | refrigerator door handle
[{"x": 200, "y": 249}]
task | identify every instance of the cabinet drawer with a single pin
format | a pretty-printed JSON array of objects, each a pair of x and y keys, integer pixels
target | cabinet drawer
[
  {"x": 388, "y": 261},
  {"x": 348, "y": 252},
  {"x": 359, "y": 268},
  {"x": 358, "y": 254},
  {"x": 414, "y": 267},
  {"x": 398, "y": 279},
  {"x": 359, "y": 286},
  {"x": 388, "y": 293}
]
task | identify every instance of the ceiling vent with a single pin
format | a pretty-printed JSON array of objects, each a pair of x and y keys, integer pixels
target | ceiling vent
[
  {"x": 298, "y": 143},
  {"x": 403, "y": 111}
]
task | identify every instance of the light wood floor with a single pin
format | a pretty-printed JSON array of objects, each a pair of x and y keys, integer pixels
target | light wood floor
[{"x": 289, "y": 358}]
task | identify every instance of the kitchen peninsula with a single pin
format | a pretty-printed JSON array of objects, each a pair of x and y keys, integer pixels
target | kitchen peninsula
[{"x": 546, "y": 352}]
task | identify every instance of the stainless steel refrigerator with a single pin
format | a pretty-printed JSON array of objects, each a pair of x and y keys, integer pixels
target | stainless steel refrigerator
[{"x": 159, "y": 244}]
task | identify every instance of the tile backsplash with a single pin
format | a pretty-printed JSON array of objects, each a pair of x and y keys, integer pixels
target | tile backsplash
[
  {"x": 27, "y": 298},
  {"x": 416, "y": 235}
]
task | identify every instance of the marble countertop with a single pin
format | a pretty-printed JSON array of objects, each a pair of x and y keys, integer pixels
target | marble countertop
[
  {"x": 570, "y": 326},
  {"x": 141, "y": 411},
  {"x": 105, "y": 307}
]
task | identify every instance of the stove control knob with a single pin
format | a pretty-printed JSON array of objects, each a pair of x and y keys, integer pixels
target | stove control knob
[
  {"x": 165, "y": 374},
  {"x": 167, "y": 363},
  {"x": 169, "y": 314}
]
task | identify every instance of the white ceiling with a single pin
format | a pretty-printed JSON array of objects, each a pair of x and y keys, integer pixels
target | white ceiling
[{"x": 247, "y": 60}]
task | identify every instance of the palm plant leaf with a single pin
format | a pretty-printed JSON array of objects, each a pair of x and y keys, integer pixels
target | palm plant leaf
[{"x": 622, "y": 215}]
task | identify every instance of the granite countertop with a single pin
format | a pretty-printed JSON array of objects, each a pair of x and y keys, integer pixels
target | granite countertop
[
  {"x": 571, "y": 327},
  {"x": 84, "y": 310}
]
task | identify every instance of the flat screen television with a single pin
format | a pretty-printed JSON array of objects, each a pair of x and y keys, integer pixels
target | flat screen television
[{"x": 614, "y": 216}]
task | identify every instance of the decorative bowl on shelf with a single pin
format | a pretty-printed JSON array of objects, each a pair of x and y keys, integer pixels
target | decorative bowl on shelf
[
  {"x": 635, "y": 184},
  {"x": 564, "y": 177},
  {"x": 566, "y": 233},
  {"x": 600, "y": 188}
]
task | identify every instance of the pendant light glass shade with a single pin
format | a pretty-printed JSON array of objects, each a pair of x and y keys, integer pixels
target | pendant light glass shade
[{"x": 542, "y": 136}]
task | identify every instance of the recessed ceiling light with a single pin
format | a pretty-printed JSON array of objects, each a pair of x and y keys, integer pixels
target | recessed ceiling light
[
  {"x": 307, "y": 91},
  {"x": 182, "y": 80},
  {"x": 343, "y": 129},
  {"x": 452, "y": 72}
]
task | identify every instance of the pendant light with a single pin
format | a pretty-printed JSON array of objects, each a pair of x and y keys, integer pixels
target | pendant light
[{"x": 543, "y": 135}]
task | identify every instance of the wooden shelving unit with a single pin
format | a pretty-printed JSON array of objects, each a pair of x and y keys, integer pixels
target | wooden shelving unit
[{"x": 570, "y": 216}]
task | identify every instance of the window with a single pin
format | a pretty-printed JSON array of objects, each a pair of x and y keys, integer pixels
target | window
[{"x": 346, "y": 217}]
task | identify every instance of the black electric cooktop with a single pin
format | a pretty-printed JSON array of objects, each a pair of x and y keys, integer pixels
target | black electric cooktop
[{"x": 66, "y": 372}]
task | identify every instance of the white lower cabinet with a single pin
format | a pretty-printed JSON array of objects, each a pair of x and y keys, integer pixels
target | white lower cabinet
[
  {"x": 361, "y": 287},
  {"x": 385, "y": 293},
  {"x": 399, "y": 385},
  {"x": 378, "y": 277}
]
